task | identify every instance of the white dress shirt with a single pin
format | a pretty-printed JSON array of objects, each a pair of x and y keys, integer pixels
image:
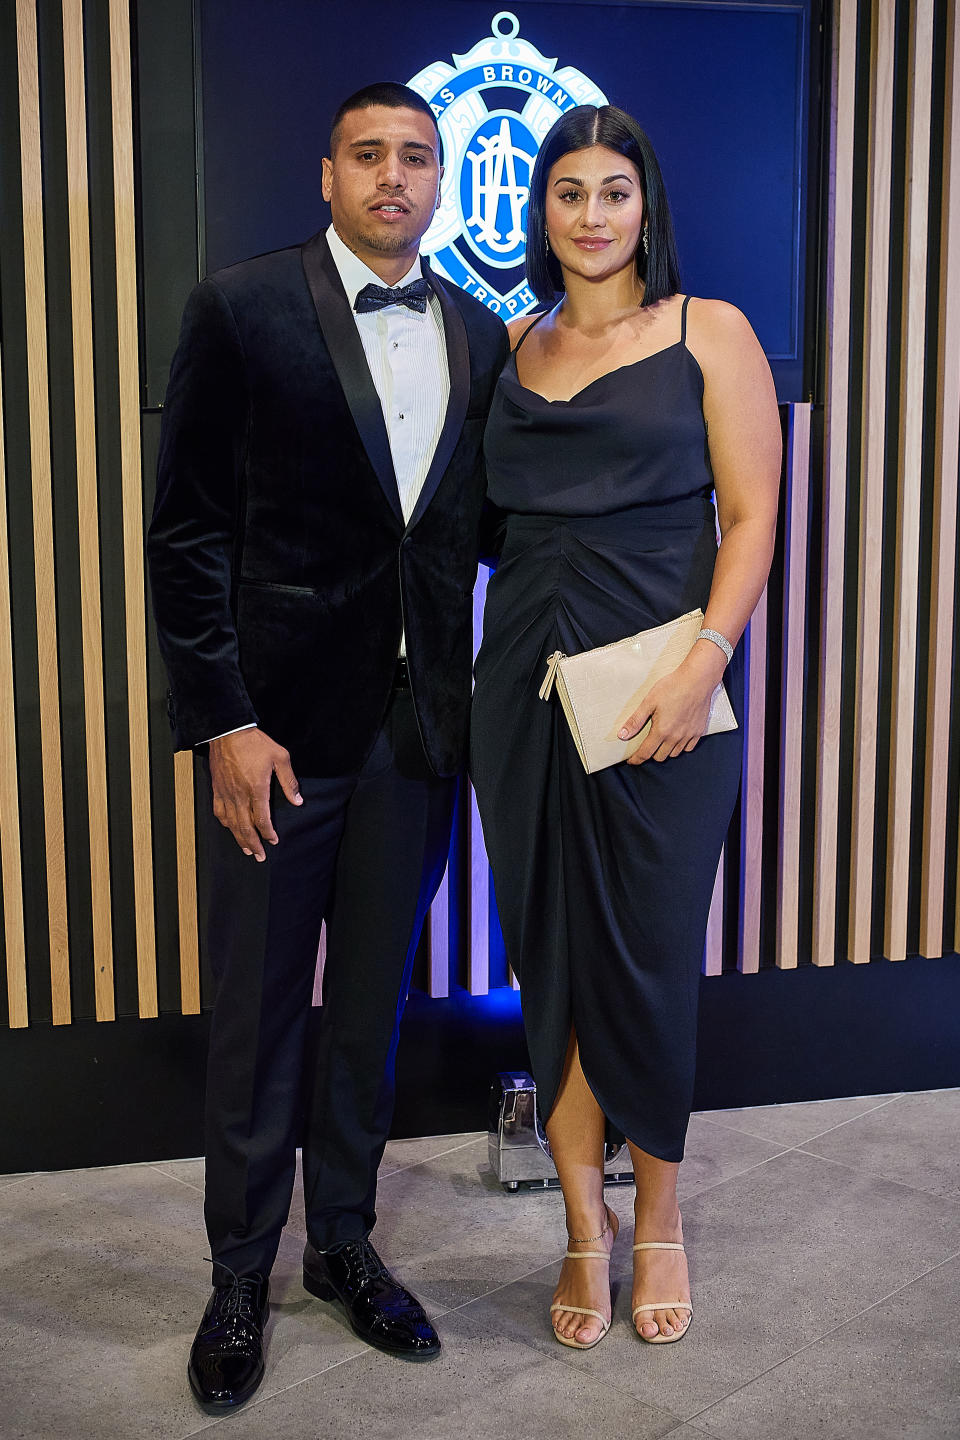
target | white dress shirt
[{"x": 407, "y": 356}]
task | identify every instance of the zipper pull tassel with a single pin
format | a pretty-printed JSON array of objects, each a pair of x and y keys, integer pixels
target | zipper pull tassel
[{"x": 551, "y": 675}]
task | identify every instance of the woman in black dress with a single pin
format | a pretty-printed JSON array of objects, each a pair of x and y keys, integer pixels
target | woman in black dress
[{"x": 623, "y": 407}]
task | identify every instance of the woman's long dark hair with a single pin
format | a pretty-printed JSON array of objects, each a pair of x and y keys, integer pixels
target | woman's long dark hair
[{"x": 578, "y": 129}]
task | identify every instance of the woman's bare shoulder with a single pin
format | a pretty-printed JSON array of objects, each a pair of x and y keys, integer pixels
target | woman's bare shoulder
[
  {"x": 717, "y": 320},
  {"x": 518, "y": 327}
]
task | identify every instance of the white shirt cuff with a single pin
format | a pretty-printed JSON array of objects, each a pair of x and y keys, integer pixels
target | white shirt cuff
[{"x": 251, "y": 725}]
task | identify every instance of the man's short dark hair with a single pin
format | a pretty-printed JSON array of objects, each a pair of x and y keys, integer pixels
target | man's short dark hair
[{"x": 388, "y": 93}]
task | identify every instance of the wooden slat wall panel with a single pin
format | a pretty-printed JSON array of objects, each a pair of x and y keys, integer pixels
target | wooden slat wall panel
[
  {"x": 839, "y": 292},
  {"x": 872, "y": 476},
  {"x": 136, "y": 627},
  {"x": 831, "y": 513},
  {"x": 11, "y": 869},
  {"x": 791, "y": 694},
  {"x": 88, "y": 505},
  {"x": 187, "y": 885},
  {"x": 42, "y": 483},
  {"x": 898, "y": 867},
  {"x": 933, "y": 862}
]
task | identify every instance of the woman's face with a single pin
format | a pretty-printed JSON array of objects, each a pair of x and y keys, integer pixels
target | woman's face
[{"x": 594, "y": 210}]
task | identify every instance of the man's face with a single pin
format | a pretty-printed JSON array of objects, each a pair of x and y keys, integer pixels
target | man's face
[{"x": 383, "y": 180}]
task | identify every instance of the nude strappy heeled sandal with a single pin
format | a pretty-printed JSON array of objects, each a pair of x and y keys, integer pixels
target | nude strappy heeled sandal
[
  {"x": 580, "y": 1309},
  {"x": 659, "y": 1339}
]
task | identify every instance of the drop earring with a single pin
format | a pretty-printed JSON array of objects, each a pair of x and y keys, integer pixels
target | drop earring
[
  {"x": 646, "y": 240},
  {"x": 546, "y": 237}
]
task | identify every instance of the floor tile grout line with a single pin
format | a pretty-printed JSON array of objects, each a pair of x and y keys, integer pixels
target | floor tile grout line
[
  {"x": 158, "y": 1167},
  {"x": 284, "y": 1389},
  {"x": 876, "y": 1175},
  {"x": 485, "y": 1294},
  {"x": 428, "y": 1159},
  {"x": 708, "y": 1116},
  {"x": 848, "y": 1320},
  {"x": 20, "y": 1180}
]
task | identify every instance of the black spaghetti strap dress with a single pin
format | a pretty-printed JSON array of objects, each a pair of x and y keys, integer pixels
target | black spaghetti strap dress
[{"x": 603, "y": 882}]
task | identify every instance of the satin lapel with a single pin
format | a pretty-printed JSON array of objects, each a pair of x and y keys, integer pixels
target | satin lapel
[
  {"x": 458, "y": 363},
  {"x": 346, "y": 351}
]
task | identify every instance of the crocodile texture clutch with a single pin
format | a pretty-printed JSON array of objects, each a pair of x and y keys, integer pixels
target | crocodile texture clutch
[{"x": 600, "y": 689}]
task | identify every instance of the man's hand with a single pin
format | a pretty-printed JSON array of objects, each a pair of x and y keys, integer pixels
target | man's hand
[{"x": 241, "y": 768}]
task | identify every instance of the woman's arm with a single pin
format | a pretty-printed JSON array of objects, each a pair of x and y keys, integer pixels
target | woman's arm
[{"x": 743, "y": 435}]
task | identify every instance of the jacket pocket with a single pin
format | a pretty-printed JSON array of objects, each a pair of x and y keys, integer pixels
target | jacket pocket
[{"x": 281, "y": 589}]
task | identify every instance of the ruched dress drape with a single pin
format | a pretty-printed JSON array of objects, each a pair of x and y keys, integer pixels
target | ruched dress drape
[{"x": 603, "y": 882}]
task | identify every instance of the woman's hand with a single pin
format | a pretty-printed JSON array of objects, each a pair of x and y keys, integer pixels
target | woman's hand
[{"x": 677, "y": 707}]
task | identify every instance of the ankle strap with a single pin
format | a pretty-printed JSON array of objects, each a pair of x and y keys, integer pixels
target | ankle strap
[{"x": 657, "y": 1245}]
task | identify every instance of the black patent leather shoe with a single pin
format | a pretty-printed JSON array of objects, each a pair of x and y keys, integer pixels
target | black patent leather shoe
[
  {"x": 226, "y": 1359},
  {"x": 378, "y": 1307}
]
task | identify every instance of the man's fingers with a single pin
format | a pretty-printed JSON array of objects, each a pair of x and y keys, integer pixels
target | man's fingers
[
  {"x": 245, "y": 833},
  {"x": 288, "y": 781},
  {"x": 262, "y": 818}
]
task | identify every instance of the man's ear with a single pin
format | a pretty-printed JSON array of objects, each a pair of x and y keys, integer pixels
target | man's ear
[{"x": 326, "y": 178}]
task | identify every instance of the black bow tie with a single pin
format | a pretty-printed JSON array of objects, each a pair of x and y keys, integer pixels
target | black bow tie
[{"x": 376, "y": 297}]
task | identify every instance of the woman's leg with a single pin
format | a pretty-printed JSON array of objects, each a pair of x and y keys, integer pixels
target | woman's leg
[
  {"x": 658, "y": 1274},
  {"x": 575, "y": 1131}
]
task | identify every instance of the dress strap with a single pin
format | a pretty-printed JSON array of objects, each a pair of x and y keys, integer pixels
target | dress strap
[
  {"x": 533, "y": 326},
  {"x": 683, "y": 320}
]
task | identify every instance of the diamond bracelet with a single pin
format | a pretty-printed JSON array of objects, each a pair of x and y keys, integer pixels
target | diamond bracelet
[{"x": 718, "y": 639}]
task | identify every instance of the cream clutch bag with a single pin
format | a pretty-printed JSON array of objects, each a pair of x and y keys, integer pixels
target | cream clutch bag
[{"x": 600, "y": 689}]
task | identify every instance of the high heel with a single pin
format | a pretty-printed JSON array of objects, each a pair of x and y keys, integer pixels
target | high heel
[
  {"x": 659, "y": 1339},
  {"x": 580, "y": 1309}
]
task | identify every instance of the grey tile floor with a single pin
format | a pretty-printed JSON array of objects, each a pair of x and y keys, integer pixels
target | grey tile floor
[{"x": 824, "y": 1244}]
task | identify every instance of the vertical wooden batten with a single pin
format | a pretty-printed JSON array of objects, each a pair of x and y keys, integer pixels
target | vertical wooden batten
[
  {"x": 133, "y": 569},
  {"x": 187, "y": 883},
  {"x": 11, "y": 867},
  {"x": 933, "y": 856},
  {"x": 791, "y": 694},
  {"x": 78, "y": 204},
  {"x": 751, "y": 792},
  {"x": 877, "y": 300},
  {"x": 31, "y": 167},
  {"x": 839, "y": 287},
  {"x": 906, "y": 591}
]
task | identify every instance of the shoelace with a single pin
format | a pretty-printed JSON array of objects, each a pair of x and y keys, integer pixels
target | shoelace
[
  {"x": 241, "y": 1301},
  {"x": 366, "y": 1258}
]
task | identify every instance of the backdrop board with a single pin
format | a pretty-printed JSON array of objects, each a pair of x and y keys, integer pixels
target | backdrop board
[{"x": 722, "y": 89}]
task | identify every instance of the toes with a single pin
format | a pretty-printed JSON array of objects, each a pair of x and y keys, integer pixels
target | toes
[
  {"x": 663, "y": 1322},
  {"x": 648, "y": 1329},
  {"x": 588, "y": 1331}
]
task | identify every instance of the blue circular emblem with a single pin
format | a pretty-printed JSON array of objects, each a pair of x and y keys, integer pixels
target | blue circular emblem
[
  {"x": 495, "y": 187},
  {"x": 477, "y": 238}
]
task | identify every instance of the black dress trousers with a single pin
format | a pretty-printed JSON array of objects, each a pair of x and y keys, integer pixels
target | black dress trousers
[{"x": 365, "y": 852}]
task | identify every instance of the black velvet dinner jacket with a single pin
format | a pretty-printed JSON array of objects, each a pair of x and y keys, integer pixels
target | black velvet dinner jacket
[{"x": 281, "y": 567}]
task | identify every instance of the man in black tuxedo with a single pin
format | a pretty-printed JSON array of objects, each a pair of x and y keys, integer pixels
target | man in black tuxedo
[{"x": 312, "y": 555}]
